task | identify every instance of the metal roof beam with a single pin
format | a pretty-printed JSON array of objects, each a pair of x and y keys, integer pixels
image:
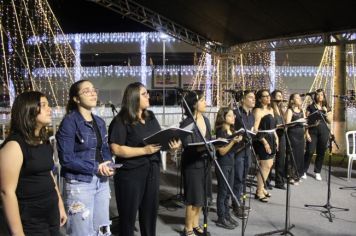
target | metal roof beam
[
  {"x": 314, "y": 40},
  {"x": 143, "y": 15}
]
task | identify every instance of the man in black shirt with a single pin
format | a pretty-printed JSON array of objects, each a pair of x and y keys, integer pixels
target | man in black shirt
[{"x": 243, "y": 155}]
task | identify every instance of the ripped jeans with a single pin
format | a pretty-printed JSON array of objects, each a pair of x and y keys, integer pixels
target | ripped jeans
[{"x": 87, "y": 206}]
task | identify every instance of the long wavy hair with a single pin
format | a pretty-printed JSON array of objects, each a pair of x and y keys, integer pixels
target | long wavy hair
[
  {"x": 291, "y": 101},
  {"x": 259, "y": 97},
  {"x": 24, "y": 112},
  {"x": 130, "y": 104},
  {"x": 221, "y": 118},
  {"x": 73, "y": 92},
  {"x": 192, "y": 99},
  {"x": 325, "y": 102}
]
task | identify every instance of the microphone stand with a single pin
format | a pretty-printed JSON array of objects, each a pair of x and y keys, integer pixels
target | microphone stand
[
  {"x": 328, "y": 206},
  {"x": 211, "y": 152},
  {"x": 290, "y": 156},
  {"x": 249, "y": 145},
  {"x": 113, "y": 109}
]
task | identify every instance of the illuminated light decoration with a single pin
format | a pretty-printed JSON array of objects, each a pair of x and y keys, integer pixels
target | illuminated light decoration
[
  {"x": 12, "y": 93},
  {"x": 95, "y": 38},
  {"x": 272, "y": 70},
  {"x": 20, "y": 20},
  {"x": 143, "y": 46},
  {"x": 77, "y": 64},
  {"x": 185, "y": 70},
  {"x": 208, "y": 79}
]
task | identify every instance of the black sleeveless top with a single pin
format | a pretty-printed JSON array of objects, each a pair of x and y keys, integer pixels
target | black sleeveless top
[
  {"x": 35, "y": 180},
  {"x": 267, "y": 122}
]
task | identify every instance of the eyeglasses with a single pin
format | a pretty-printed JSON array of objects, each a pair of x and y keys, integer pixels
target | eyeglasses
[{"x": 89, "y": 91}]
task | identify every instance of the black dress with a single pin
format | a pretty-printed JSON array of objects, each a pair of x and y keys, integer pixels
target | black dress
[
  {"x": 267, "y": 122},
  {"x": 194, "y": 166},
  {"x": 297, "y": 141},
  {"x": 35, "y": 191}
]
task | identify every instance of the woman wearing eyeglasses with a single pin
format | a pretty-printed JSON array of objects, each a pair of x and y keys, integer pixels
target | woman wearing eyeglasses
[
  {"x": 85, "y": 159},
  {"x": 267, "y": 143},
  {"x": 137, "y": 182}
]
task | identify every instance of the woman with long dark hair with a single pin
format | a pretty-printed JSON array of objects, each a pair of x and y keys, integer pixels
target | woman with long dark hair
[
  {"x": 280, "y": 162},
  {"x": 267, "y": 143},
  {"x": 85, "y": 158},
  {"x": 30, "y": 196},
  {"x": 296, "y": 134},
  {"x": 195, "y": 162},
  {"x": 318, "y": 134},
  {"x": 137, "y": 181}
]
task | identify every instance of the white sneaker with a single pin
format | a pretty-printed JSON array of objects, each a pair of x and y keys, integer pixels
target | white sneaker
[
  {"x": 304, "y": 176},
  {"x": 318, "y": 177}
]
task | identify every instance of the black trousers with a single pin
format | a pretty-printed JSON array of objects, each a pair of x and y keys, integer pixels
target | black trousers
[
  {"x": 319, "y": 140},
  {"x": 138, "y": 190},
  {"x": 222, "y": 201},
  {"x": 40, "y": 217},
  {"x": 280, "y": 162}
]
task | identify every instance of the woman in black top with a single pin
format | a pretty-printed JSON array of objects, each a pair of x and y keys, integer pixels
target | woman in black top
[
  {"x": 195, "y": 163},
  {"x": 318, "y": 134},
  {"x": 280, "y": 162},
  {"x": 267, "y": 143},
  {"x": 224, "y": 126},
  {"x": 296, "y": 133},
  {"x": 30, "y": 196},
  {"x": 137, "y": 181}
]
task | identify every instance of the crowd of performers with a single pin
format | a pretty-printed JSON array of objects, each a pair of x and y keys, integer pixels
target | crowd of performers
[{"x": 33, "y": 204}]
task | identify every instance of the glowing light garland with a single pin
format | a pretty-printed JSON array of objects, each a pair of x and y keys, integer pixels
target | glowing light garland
[{"x": 187, "y": 70}]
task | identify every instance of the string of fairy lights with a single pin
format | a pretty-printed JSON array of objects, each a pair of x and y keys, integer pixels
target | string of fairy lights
[
  {"x": 37, "y": 55},
  {"x": 21, "y": 20}
]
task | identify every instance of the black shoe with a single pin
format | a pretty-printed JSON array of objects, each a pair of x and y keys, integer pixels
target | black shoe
[
  {"x": 240, "y": 213},
  {"x": 223, "y": 223},
  {"x": 269, "y": 186},
  {"x": 280, "y": 186},
  {"x": 232, "y": 220},
  {"x": 188, "y": 233},
  {"x": 199, "y": 231},
  {"x": 261, "y": 198}
]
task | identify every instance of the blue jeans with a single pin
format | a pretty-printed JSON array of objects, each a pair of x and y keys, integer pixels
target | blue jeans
[
  {"x": 87, "y": 206},
  {"x": 242, "y": 163}
]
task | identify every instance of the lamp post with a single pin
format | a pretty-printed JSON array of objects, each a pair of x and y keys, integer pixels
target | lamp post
[{"x": 164, "y": 37}]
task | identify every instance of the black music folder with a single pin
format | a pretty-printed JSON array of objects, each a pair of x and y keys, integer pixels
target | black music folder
[{"x": 163, "y": 136}]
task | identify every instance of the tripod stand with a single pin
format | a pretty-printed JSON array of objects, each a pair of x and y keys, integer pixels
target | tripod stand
[
  {"x": 290, "y": 156},
  {"x": 328, "y": 206},
  {"x": 178, "y": 197}
]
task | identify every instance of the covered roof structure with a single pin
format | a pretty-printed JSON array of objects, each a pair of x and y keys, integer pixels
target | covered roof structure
[{"x": 225, "y": 24}]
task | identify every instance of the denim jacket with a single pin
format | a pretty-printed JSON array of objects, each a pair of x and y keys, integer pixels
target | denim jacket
[{"x": 76, "y": 142}]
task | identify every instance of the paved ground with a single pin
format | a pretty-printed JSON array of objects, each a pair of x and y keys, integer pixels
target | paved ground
[{"x": 266, "y": 217}]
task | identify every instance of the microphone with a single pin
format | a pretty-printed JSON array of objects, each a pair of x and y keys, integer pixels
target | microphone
[
  {"x": 278, "y": 100},
  {"x": 307, "y": 94},
  {"x": 113, "y": 108}
]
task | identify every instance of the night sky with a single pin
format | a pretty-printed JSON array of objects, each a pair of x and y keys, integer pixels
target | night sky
[{"x": 82, "y": 16}]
